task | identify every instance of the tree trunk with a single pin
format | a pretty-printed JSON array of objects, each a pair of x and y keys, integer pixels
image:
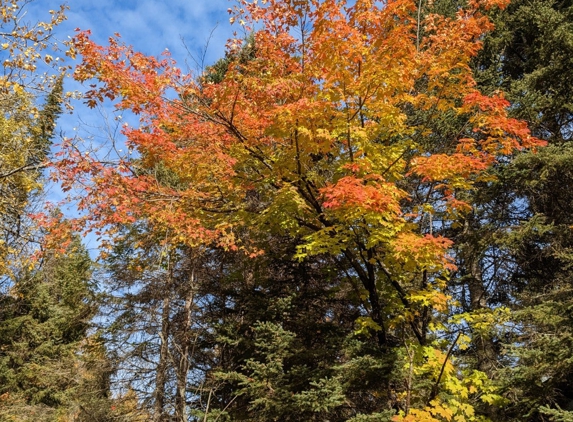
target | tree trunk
[
  {"x": 161, "y": 375},
  {"x": 485, "y": 349},
  {"x": 185, "y": 347}
]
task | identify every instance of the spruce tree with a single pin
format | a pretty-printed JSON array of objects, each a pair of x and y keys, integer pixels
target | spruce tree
[
  {"x": 44, "y": 321},
  {"x": 514, "y": 249}
]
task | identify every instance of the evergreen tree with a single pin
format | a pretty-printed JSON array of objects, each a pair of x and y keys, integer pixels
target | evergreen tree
[
  {"x": 541, "y": 247},
  {"x": 529, "y": 56},
  {"x": 287, "y": 347},
  {"x": 44, "y": 321},
  {"x": 513, "y": 249}
]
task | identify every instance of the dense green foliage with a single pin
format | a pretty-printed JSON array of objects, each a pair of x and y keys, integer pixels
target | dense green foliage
[
  {"x": 515, "y": 250},
  {"x": 43, "y": 323}
]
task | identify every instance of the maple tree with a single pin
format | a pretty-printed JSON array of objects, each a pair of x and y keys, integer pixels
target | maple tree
[{"x": 328, "y": 136}]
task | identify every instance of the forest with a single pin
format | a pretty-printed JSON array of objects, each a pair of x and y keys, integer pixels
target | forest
[{"x": 361, "y": 212}]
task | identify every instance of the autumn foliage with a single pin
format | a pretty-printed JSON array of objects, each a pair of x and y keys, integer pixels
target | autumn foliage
[{"x": 325, "y": 132}]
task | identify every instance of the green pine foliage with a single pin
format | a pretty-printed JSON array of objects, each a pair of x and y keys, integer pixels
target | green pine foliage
[
  {"x": 529, "y": 56},
  {"x": 515, "y": 249},
  {"x": 542, "y": 249},
  {"x": 44, "y": 321}
]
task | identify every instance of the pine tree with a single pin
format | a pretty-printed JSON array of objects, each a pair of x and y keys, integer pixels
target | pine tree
[
  {"x": 44, "y": 321},
  {"x": 513, "y": 249}
]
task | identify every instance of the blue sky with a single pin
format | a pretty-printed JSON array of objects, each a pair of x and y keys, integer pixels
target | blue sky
[{"x": 149, "y": 25}]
